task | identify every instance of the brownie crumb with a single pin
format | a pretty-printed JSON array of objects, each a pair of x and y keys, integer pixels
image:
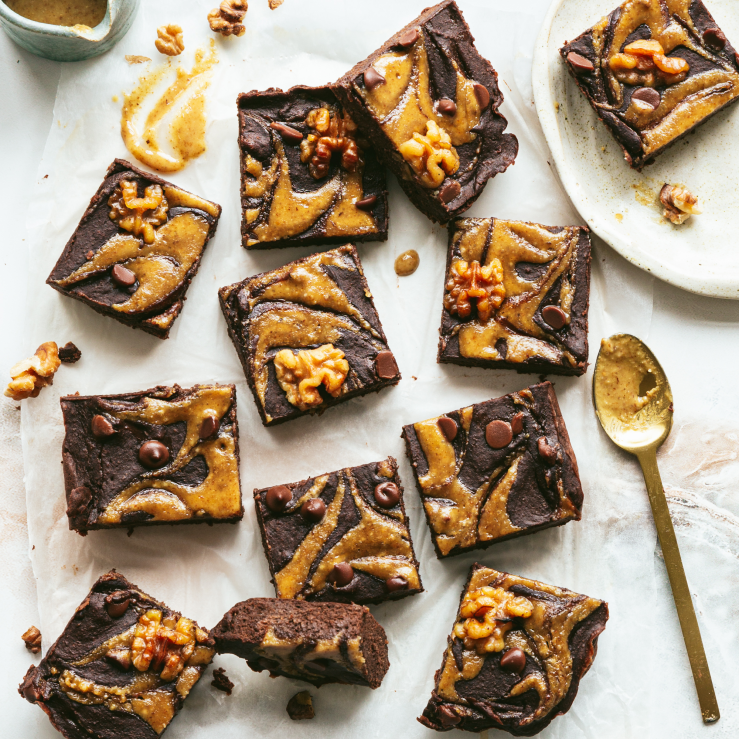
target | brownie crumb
[
  {"x": 300, "y": 706},
  {"x": 220, "y": 681},
  {"x": 32, "y": 638},
  {"x": 69, "y": 353}
]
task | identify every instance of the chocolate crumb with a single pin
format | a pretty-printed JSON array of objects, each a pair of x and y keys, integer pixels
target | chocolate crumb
[
  {"x": 300, "y": 706},
  {"x": 32, "y": 638},
  {"x": 220, "y": 681},
  {"x": 69, "y": 353}
]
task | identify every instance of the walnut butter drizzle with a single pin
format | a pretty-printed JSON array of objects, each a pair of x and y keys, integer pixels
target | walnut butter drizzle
[
  {"x": 284, "y": 212},
  {"x": 541, "y": 629},
  {"x": 503, "y": 244},
  {"x": 683, "y": 103},
  {"x": 377, "y": 545},
  {"x": 217, "y": 496}
]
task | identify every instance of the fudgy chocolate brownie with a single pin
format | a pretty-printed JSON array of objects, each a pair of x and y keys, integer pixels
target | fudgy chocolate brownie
[
  {"x": 316, "y": 642},
  {"x": 653, "y": 70},
  {"x": 136, "y": 249},
  {"x": 495, "y": 470},
  {"x": 307, "y": 174},
  {"x": 342, "y": 536},
  {"x": 428, "y": 103},
  {"x": 308, "y": 335},
  {"x": 161, "y": 456},
  {"x": 516, "y": 296},
  {"x": 516, "y": 655},
  {"x": 122, "y": 667}
]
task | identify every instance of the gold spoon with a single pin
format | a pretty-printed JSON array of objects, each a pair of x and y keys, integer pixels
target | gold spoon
[{"x": 633, "y": 402}]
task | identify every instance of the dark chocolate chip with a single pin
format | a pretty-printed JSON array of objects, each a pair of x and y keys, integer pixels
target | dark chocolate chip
[
  {"x": 517, "y": 423},
  {"x": 448, "y": 427},
  {"x": 313, "y": 510},
  {"x": 396, "y": 583},
  {"x": 366, "y": 203},
  {"x": 386, "y": 366},
  {"x": 120, "y": 656},
  {"x": 265, "y": 663},
  {"x": 341, "y": 575},
  {"x": 715, "y": 38},
  {"x": 647, "y": 95},
  {"x": 579, "y": 63},
  {"x": 449, "y": 191},
  {"x": 278, "y": 497},
  {"x": 372, "y": 78},
  {"x": 31, "y": 693},
  {"x": 153, "y": 454},
  {"x": 78, "y": 500},
  {"x": 101, "y": 427},
  {"x": 498, "y": 434},
  {"x": 409, "y": 38},
  {"x": 482, "y": 94},
  {"x": 122, "y": 276},
  {"x": 208, "y": 427},
  {"x": 448, "y": 717},
  {"x": 514, "y": 660},
  {"x": 288, "y": 134},
  {"x": 116, "y": 604},
  {"x": 447, "y": 106},
  {"x": 387, "y": 494},
  {"x": 255, "y": 138},
  {"x": 545, "y": 450},
  {"x": 554, "y": 316},
  {"x": 69, "y": 353}
]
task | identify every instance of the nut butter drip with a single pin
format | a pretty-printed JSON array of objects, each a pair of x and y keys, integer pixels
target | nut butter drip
[
  {"x": 218, "y": 496},
  {"x": 86, "y": 13}
]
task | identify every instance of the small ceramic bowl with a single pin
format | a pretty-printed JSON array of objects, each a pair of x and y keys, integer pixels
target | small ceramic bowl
[{"x": 70, "y": 43}]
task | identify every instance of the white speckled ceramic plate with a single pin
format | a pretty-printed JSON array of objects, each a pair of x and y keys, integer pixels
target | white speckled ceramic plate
[{"x": 620, "y": 204}]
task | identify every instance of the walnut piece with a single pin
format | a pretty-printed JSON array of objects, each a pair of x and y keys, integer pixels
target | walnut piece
[
  {"x": 226, "y": 19},
  {"x": 138, "y": 215},
  {"x": 32, "y": 638},
  {"x": 300, "y": 375},
  {"x": 31, "y": 374},
  {"x": 486, "y": 615},
  {"x": 169, "y": 40},
  {"x": 679, "y": 203},
  {"x": 643, "y": 64},
  {"x": 332, "y": 134},
  {"x": 432, "y": 156},
  {"x": 275, "y": 4},
  {"x": 469, "y": 281}
]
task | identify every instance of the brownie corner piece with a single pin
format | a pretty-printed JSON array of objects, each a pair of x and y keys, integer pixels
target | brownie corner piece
[
  {"x": 308, "y": 177},
  {"x": 495, "y": 470},
  {"x": 343, "y": 536},
  {"x": 122, "y": 668},
  {"x": 516, "y": 296},
  {"x": 516, "y": 655},
  {"x": 136, "y": 249},
  {"x": 308, "y": 335},
  {"x": 167, "y": 455},
  {"x": 318, "y": 643},
  {"x": 429, "y": 104},
  {"x": 653, "y": 71}
]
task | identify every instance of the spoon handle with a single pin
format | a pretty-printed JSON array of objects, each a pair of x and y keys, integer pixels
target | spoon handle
[{"x": 680, "y": 589}]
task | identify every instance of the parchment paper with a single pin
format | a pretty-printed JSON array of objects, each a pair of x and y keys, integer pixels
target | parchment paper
[{"x": 640, "y": 684}]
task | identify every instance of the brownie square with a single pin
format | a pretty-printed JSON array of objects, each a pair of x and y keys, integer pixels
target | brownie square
[
  {"x": 136, "y": 249},
  {"x": 308, "y": 335},
  {"x": 122, "y": 668},
  {"x": 342, "y": 536},
  {"x": 429, "y": 104},
  {"x": 653, "y": 71},
  {"x": 516, "y": 296},
  {"x": 161, "y": 456},
  {"x": 316, "y": 642},
  {"x": 516, "y": 655},
  {"x": 495, "y": 470},
  {"x": 307, "y": 175}
]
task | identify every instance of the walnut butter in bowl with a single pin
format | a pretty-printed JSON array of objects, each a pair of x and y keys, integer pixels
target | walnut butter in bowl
[{"x": 67, "y": 30}]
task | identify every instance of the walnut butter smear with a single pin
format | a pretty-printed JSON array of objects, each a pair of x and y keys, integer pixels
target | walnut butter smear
[
  {"x": 61, "y": 12},
  {"x": 181, "y": 108}
]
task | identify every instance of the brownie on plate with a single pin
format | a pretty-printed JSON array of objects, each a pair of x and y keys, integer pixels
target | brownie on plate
[
  {"x": 429, "y": 104},
  {"x": 136, "y": 249},
  {"x": 342, "y": 536},
  {"x": 307, "y": 175},
  {"x": 495, "y": 470},
  {"x": 516, "y": 296},
  {"x": 162, "y": 456},
  {"x": 308, "y": 335},
  {"x": 653, "y": 70},
  {"x": 315, "y": 642},
  {"x": 516, "y": 655},
  {"x": 122, "y": 667}
]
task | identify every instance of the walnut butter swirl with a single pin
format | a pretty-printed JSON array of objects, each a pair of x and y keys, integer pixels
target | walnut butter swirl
[
  {"x": 502, "y": 245},
  {"x": 217, "y": 496},
  {"x": 541, "y": 628}
]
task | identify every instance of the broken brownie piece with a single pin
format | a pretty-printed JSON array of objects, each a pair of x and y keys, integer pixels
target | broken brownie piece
[
  {"x": 495, "y": 470},
  {"x": 69, "y": 353},
  {"x": 316, "y": 642},
  {"x": 307, "y": 175},
  {"x": 429, "y": 104},
  {"x": 516, "y": 296},
  {"x": 122, "y": 667},
  {"x": 308, "y": 335},
  {"x": 136, "y": 249},
  {"x": 342, "y": 536},
  {"x": 162, "y": 456},
  {"x": 516, "y": 655},
  {"x": 653, "y": 70}
]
